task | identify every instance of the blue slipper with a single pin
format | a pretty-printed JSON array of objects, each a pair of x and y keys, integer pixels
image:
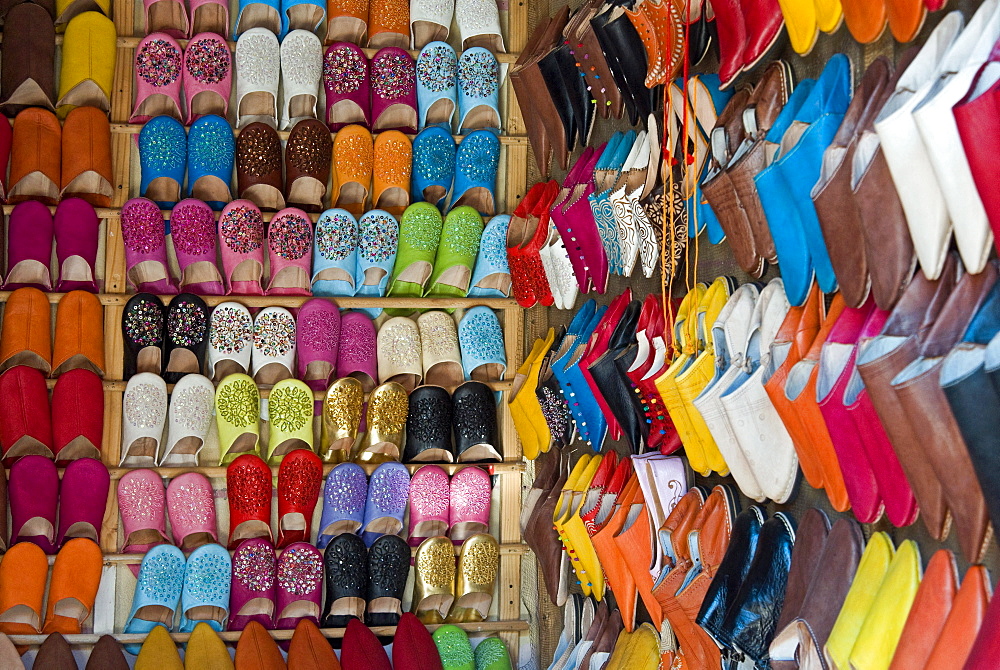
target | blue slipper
[
  {"x": 491, "y": 276},
  {"x": 437, "y": 77},
  {"x": 343, "y": 502},
  {"x": 378, "y": 241},
  {"x": 476, "y": 163},
  {"x": 162, "y": 158},
  {"x": 157, "y": 592},
  {"x": 612, "y": 160},
  {"x": 258, "y": 14},
  {"x": 210, "y": 153},
  {"x": 587, "y": 414},
  {"x": 206, "y": 588},
  {"x": 388, "y": 496},
  {"x": 478, "y": 91},
  {"x": 481, "y": 341},
  {"x": 301, "y": 15},
  {"x": 433, "y": 166},
  {"x": 335, "y": 253}
]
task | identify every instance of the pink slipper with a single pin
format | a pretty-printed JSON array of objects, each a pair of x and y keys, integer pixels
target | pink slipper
[
  {"x": 253, "y": 589},
  {"x": 209, "y": 16},
  {"x": 300, "y": 585},
  {"x": 346, "y": 80},
  {"x": 470, "y": 504},
  {"x": 241, "y": 235},
  {"x": 192, "y": 229},
  {"x": 29, "y": 247},
  {"x": 141, "y": 502},
  {"x": 317, "y": 343},
  {"x": 144, "y": 234},
  {"x": 429, "y": 493},
  {"x": 77, "y": 229},
  {"x": 158, "y": 65},
  {"x": 167, "y": 16},
  {"x": 34, "y": 493},
  {"x": 356, "y": 357},
  {"x": 394, "y": 91},
  {"x": 191, "y": 508},
  {"x": 289, "y": 244},
  {"x": 83, "y": 497},
  {"x": 208, "y": 71}
]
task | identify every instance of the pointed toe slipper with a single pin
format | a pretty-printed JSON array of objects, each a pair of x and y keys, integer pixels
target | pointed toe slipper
[
  {"x": 107, "y": 654},
  {"x": 30, "y": 232},
  {"x": 36, "y": 157},
  {"x": 76, "y": 576},
  {"x": 77, "y": 416},
  {"x": 205, "y": 649},
  {"x": 491, "y": 275},
  {"x": 87, "y": 73},
  {"x": 257, "y": 650},
  {"x": 310, "y": 650},
  {"x": 86, "y": 150},
  {"x": 79, "y": 341},
  {"x": 84, "y": 492}
]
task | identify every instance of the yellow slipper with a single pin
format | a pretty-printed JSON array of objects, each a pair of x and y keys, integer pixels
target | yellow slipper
[
  {"x": 88, "y": 63},
  {"x": 386, "y": 423},
  {"x": 476, "y": 578},
  {"x": 567, "y": 507},
  {"x": 531, "y": 404},
  {"x": 433, "y": 579},
  {"x": 237, "y": 414},
  {"x": 158, "y": 652},
  {"x": 341, "y": 418},
  {"x": 289, "y": 419},
  {"x": 530, "y": 441},
  {"x": 206, "y": 651}
]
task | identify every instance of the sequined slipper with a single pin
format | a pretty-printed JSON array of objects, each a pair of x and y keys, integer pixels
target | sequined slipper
[
  {"x": 437, "y": 77},
  {"x": 454, "y": 648},
  {"x": 388, "y": 493},
  {"x": 388, "y": 568},
  {"x": 378, "y": 240},
  {"x": 317, "y": 343},
  {"x": 273, "y": 357},
  {"x": 157, "y": 592},
  {"x": 230, "y": 341},
  {"x": 210, "y": 159},
  {"x": 237, "y": 415},
  {"x": 433, "y": 580},
  {"x": 299, "y": 479},
  {"x": 162, "y": 159},
  {"x": 144, "y": 235},
  {"x": 189, "y": 421},
  {"x": 187, "y": 337},
  {"x": 193, "y": 231},
  {"x": 419, "y": 238},
  {"x": 300, "y": 585},
  {"x": 344, "y": 498},
  {"x": 342, "y": 409},
  {"x": 289, "y": 243},
  {"x": 290, "y": 419},
  {"x": 476, "y": 164},
  {"x": 481, "y": 339},
  {"x": 208, "y": 71},
  {"x": 429, "y": 492},
  {"x": 249, "y": 489},
  {"x": 241, "y": 238},
  {"x": 301, "y": 71},
  {"x": 205, "y": 596},
  {"x": 335, "y": 253},
  {"x": 253, "y": 586}
]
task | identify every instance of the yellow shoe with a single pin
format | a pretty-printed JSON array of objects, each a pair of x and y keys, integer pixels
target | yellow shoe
[
  {"x": 433, "y": 579},
  {"x": 475, "y": 579},
  {"x": 644, "y": 651},
  {"x": 864, "y": 589},
  {"x": 289, "y": 419},
  {"x": 800, "y": 20},
  {"x": 386, "y": 422},
  {"x": 829, "y": 15},
  {"x": 585, "y": 561},
  {"x": 531, "y": 404},
  {"x": 518, "y": 402},
  {"x": 206, "y": 650},
  {"x": 158, "y": 652},
  {"x": 237, "y": 415},
  {"x": 570, "y": 499},
  {"x": 620, "y": 653},
  {"x": 88, "y": 63},
  {"x": 341, "y": 417}
]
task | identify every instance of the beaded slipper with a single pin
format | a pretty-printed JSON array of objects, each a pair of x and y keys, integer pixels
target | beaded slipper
[
  {"x": 289, "y": 243},
  {"x": 433, "y": 166},
  {"x": 391, "y": 172},
  {"x": 481, "y": 339},
  {"x": 476, "y": 163},
  {"x": 388, "y": 492},
  {"x": 377, "y": 244},
  {"x": 142, "y": 328},
  {"x": 476, "y": 578},
  {"x": 356, "y": 356},
  {"x": 441, "y": 357},
  {"x": 491, "y": 275},
  {"x": 208, "y": 73},
  {"x": 241, "y": 236},
  {"x": 189, "y": 420},
  {"x": 193, "y": 232},
  {"x": 144, "y": 233},
  {"x": 388, "y": 569},
  {"x": 388, "y": 24},
  {"x": 158, "y": 61},
  {"x": 346, "y": 81},
  {"x": 273, "y": 356},
  {"x": 478, "y": 91},
  {"x": 191, "y": 509},
  {"x": 343, "y": 502},
  {"x": 249, "y": 489},
  {"x": 301, "y": 15},
  {"x": 437, "y": 77},
  {"x": 301, "y": 71},
  {"x": 352, "y": 169},
  {"x": 433, "y": 580},
  {"x": 30, "y": 233},
  {"x": 33, "y": 491},
  {"x": 210, "y": 158},
  {"x": 86, "y": 163},
  {"x": 205, "y": 596},
  {"x": 254, "y": 585},
  {"x": 394, "y": 94},
  {"x": 87, "y": 74},
  {"x": 230, "y": 340},
  {"x": 469, "y": 510},
  {"x": 429, "y": 491},
  {"x": 492, "y": 654},
  {"x": 142, "y": 504},
  {"x": 428, "y": 426},
  {"x": 346, "y": 562},
  {"x": 460, "y": 235},
  {"x": 419, "y": 237},
  {"x": 144, "y": 414},
  {"x": 335, "y": 253},
  {"x": 157, "y": 592},
  {"x": 386, "y": 423},
  {"x": 36, "y": 164},
  {"x": 317, "y": 341},
  {"x": 299, "y": 480},
  {"x": 237, "y": 415},
  {"x": 300, "y": 585},
  {"x": 187, "y": 337},
  {"x": 258, "y": 166},
  {"x": 399, "y": 348},
  {"x": 430, "y": 22},
  {"x": 262, "y": 14},
  {"x": 290, "y": 419},
  {"x": 162, "y": 158},
  {"x": 258, "y": 56},
  {"x": 479, "y": 24},
  {"x": 342, "y": 410},
  {"x": 308, "y": 156}
]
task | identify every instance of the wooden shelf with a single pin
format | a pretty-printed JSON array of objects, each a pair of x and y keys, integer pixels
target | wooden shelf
[{"x": 219, "y": 472}]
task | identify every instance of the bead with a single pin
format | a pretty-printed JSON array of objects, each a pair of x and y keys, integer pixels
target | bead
[
  {"x": 344, "y": 70},
  {"x": 158, "y": 63}
]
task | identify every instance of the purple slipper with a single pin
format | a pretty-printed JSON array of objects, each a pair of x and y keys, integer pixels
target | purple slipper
[
  {"x": 343, "y": 502},
  {"x": 34, "y": 494},
  {"x": 356, "y": 357},
  {"x": 192, "y": 229},
  {"x": 83, "y": 497},
  {"x": 29, "y": 247},
  {"x": 394, "y": 91},
  {"x": 251, "y": 596},
  {"x": 388, "y": 493},
  {"x": 144, "y": 234},
  {"x": 77, "y": 229},
  {"x": 317, "y": 342},
  {"x": 300, "y": 585}
]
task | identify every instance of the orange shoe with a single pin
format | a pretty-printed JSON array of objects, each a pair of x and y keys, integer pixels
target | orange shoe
[
  {"x": 36, "y": 157},
  {"x": 352, "y": 169},
  {"x": 25, "y": 334},
  {"x": 393, "y": 155},
  {"x": 23, "y": 573},
  {"x": 86, "y": 157},
  {"x": 616, "y": 573},
  {"x": 73, "y": 589},
  {"x": 79, "y": 334},
  {"x": 310, "y": 650},
  {"x": 257, "y": 651},
  {"x": 635, "y": 542}
]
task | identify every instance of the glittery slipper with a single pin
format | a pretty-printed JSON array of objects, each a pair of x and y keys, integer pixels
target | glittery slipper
[
  {"x": 317, "y": 342},
  {"x": 430, "y": 22},
  {"x": 205, "y": 596},
  {"x": 289, "y": 242},
  {"x": 398, "y": 347},
  {"x": 208, "y": 71},
  {"x": 475, "y": 423},
  {"x": 157, "y": 592},
  {"x": 33, "y": 491},
  {"x": 289, "y": 419},
  {"x": 230, "y": 340},
  {"x": 302, "y": 15},
  {"x": 237, "y": 416},
  {"x": 188, "y": 422},
  {"x": 77, "y": 231},
  {"x": 491, "y": 275},
  {"x": 257, "y": 75},
  {"x": 388, "y": 493},
  {"x": 388, "y": 24},
  {"x": 476, "y": 578},
  {"x": 300, "y": 586},
  {"x": 344, "y": 498},
  {"x": 429, "y": 492},
  {"x": 308, "y": 156},
  {"x": 158, "y": 59},
  {"x": 142, "y": 506},
  {"x": 273, "y": 356},
  {"x": 481, "y": 339},
  {"x": 428, "y": 426},
  {"x": 394, "y": 94},
  {"x": 419, "y": 238},
  {"x": 476, "y": 163},
  {"x": 478, "y": 91},
  {"x": 144, "y": 414},
  {"x": 377, "y": 244},
  {"x": 299, "y": 480},
  {"x": 258, "y": 166},
  {"x": 433, "y": 580},
  {"x": 388, "y": 569},
  {"x": 262, "y": 14},
  {"x": 492, "y": 654},
  {"x": 301, "y": 71},
  {"x": 191, "y": 509},
  {"x": 352, "y": 169},
  {"x": 346, "y": 563},
  {"x": 162, "y": 159},
  {"x": 187, "y": 337},
  {"x": 144, "y": 235},
  {"x": 391, "y": 172},
  {"x": 433, "y": 166},
  {"x": 210, "y": 160},
  {"x": 249, "y": 490},
  {"x": 241, "y": 236},
  {"x": 346, "y": 81},
  {"x": 253, "y": 588},
  {"x": 347, "y": 21},
  {"x": 469, "y": 511},
  {"x": 342, "y": 409},
  {"x": 440, "y": 356},
  {"x": 30, "y": 233},
  {"x": 386, "y": 424},
  {"x": 192, "y": 231},
  {"x": 437, "y": 77},
  {"x": 142, "y": 330},
  {"x": 335, "y": 253},
  {"x": 356, "y": 357},
  {"x": 456, "y": 255}
]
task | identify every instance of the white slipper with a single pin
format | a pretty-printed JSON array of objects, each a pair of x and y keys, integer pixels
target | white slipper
[
  {"x": 430, "y": 21},
  {"x": 192, "y": 405},
  {"x": 301, "y": 71},
  {"x": 398, "y": 349},
  {"x": 144, "y": 413},
  {"x": 479, "y": 24},
  {"x": 230, "y": 340},
  {"x": 440, "y": 353},
  {"x": 559, "y": 270},
  {"x": 273, "y": 356},
  {"x": 258, "y": 58}
]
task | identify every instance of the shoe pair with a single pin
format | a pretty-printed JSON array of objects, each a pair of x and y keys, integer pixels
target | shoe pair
[
  {"x": 472, "y": 180},
  {"x": 50, "y": 162},
  {"x": 72, "y": 588},
  {"x": 467, "y": 512},
  {"x": 279, "y": 17},
  {"x": 290, "y": 418},
  {"x": 258, "y": 75},
  {"x": 372, "y": 23},
  {"x": 248, "y": 481},
  {"x": 444, "y": 593},
  {"x": 166, "y": 152},
  {"x": 478, "y": 23},
  {"x": 469, "y": 85},
  {"x": 276, "y": 593},
  {"x": 203, "y": 70},
  {"x": 428, "y": 351},
  {"x": 456, "y": 652},
  {"x": 369, "y": 508},
  {"x": 55, "y": 653},
  {"x": 370, "y": 174},
  {"x": 181, "y": 20},
  {"x": 384, "y": 419},
  {"x": 145, "y": 506},
  {"x": 204, "y": 649},
  {"x": 146, "y": 415},
  {"x": 380, "y": 94},
  {"x": 165, "y": 341},
  {"x": 435, "y": 416},
  {"x": 365, "y": 584},
  {"x": 352, "y": 257},
  {"x": 31, "y": 234}
]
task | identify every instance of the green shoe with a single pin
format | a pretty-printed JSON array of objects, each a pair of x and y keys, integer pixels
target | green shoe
[
  {"x": 491, "y": 654},
  {"x": 463, "y": 228},
  {"x": 419, "y": 237},
  {"x": 454, "y": 648}
]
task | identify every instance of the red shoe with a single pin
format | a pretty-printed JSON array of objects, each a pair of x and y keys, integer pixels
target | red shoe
[
  {"x": 732, "y": 30},
  {"x": 413, "y": 647},
  {"x": 299, "y": 480},
  {"x": 361, "y": 650},
  {"x": 77, "y": 416},
  {"x": 764, "y": 21},
  {"x": 248, "y": 481},
  {"x": 525, "y": 236},
  {"x": 25, "y": 421}
]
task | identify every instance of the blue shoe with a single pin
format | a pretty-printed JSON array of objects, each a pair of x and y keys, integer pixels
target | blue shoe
[
  {"x": 610, "y": 164},
  {"x": 378, "y": 240},
  {"x": 481, "y": 340},
  {"x": 157, "y": 592},
  {"x": 268, "y": 17},
  {"x": 388, "y": 498},
  {"x": 162, "y": 157},
  {"x": 587, "y": 414},
  {"x": 437, "y": 85},
  {"x": 476, "y": 164},
  {"x": 210, "y": 156},
  {"x": 206, "y": 587},
  {"x": 491, "y": 276},
  {"x": 433, "y": 166},
  {"x": 344, "y": 498},
  {"x": 478, "y": 91},
  {"x": 335, "y": 253},
  {"x": 301, "y": 15}
]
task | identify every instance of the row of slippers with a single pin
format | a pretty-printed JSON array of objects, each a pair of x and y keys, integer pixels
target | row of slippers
[{"x": 368, "y": 173}]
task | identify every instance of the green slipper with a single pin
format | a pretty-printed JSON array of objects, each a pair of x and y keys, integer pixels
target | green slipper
[
  {"x": 491, "y": 654},
  {"x": 453, "y": 646},
  {"x": 419, "y": 237},
  {"x": 463, "y": 228}
]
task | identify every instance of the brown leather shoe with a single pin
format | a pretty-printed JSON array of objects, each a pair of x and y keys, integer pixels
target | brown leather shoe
[
  {"x": 27, "y": 59},
  {"x": 55, "y": 654},
  {"x": 600, "y": 81},
  {"x": 543, "y": 539},
  {"x": 107, "y": 655},
  {"x": 308, "y": 155}
]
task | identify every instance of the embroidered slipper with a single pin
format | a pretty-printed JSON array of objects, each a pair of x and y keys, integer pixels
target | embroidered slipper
[
  {"x": 308, "y": 157},
  {"x": 356, "y": 356},
  {"x": 86, "y": 150},
  {"x": 205, "y": 595},
  {"x": 419, "y": 239},
  {"x": 249, "y": 490},
  {"x": 301, "y": 71},
  {"x": 399, "y": 348},
  {"x": 300, "y": 586},
  {"x": 253, "y": 586},
  {"x": 476, "y": 163},
  {"x": 29, "y": 247},
  {"x": 492, "y": 654},
  {"x": 158, "y": 61},
  {"x": 87, "y": 74},
  {"x": 25, "y": 334},
  {"x": 209, "y": 17},
  {"x": 263, "y": 14},
  {"x": 273, "y": 345},
  {"x": 189, "y": 420},
  {"x": 144, "y": 415},
  {"x": 428, "y": 426},
  {"x": 335, "y": 253},
  {"x": 33, "y": 491},
  {"x": 162, "y": 158},
  {"x": 241, "y": 234},
  {"x": 77, "y": 416},
  {"x": 76, "y": 576},
  {"x": 388, "y": 492},
  {"x": 433, "y": 165},
  {"x": 193, "y": 233},
  {"x": 208, "y": 69},
  {"x": 191, "y": 509},
  {"x": 317, "y": 341},
  {"x": 437, "y": 77},
  {"x": 144, "y": 235},
  {"x": 346, "y": 563},
  {"x": 347, "y": 85},
  {"x": 258, "y": 58},
  {"x": 454, "y": 648},
  {"x": 470, "y": 504},
  {"x": 477, "y": 568},
  {"x": 385, "y": 423},
  {"x": 142, "y": 506},
  {"x": 343, "y": 502},
  {"x": 289, "y": 240},
  {"x": 433, "y": 580},
  {"x": 394, "y": 93},
  {"x": 166, "y": 16},
  {"x": 491, "y": 275},
  {"x": 289, "y": 419},
  {"x": 210, "y": 159},
  {"x": 430, "y": 22},
  {"x": 187, "y": 337},
  {"x": 391, "y": 172},
  {"x": 36, "y": 157},
  {"x": 429, "y": 491},
  {"x": 378, "y": 240},
  {"x": 157, "y": 591},
  {"x": 237, "y": 416},
  {"x": 388, "y": 24},
  {"x": 342, "y": 410},
  {"x": 388, "y": 569},
  {"x": 463, "y": 228},
  {"x": 478, "y": 91},
  {"x": 79, "y": 341},
  {"x": 441, "y": 357},
  {"x": 230, "y": 340},
  {"x": 299, "y": 480},
  {"x": 479, "y": 24},
  {"x": 347, "y": 21},
  {"x": 352, "y": 169},
  {"x": 27, "y": 61},
  {"x": 258, "y": 166},
  {"x": 481, "y": 340},
  {"x": 301, "y": 15},
  {"x": 142, "y": 330},
  {"x": 475, "y": 423}
]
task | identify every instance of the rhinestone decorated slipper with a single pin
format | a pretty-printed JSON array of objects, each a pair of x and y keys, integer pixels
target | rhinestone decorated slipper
[{"x": 342, "y": 409}]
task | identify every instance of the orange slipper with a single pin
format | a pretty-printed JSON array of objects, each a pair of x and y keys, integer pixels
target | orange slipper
[
  {"x": 73, "y": 588},
  {"x": 635, "y": 542},
  {"x": 86, "y": 150},
  {"x": 79, "y": 334},
  {"x": 906, "y": 18},
  {"x": 36, "y": 157},
  {"x": 352, "y": 169},
  {"x": 310, "y": 650},
  {"x": 389, "y": 24},
  {"x": 393, "y": 154},
  {"x": 25, "y": 335},
  {"x": 865, "y": 19},
  {"x": 257, "y": 651},
  {"x": 23, "y": 572},
  {"x": 616, "y": 572}
]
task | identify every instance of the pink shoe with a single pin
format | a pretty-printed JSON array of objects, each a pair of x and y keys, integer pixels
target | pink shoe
[
  {"x": 34, "y": 493},
  {"x": 29, "y": 246},
  {"x": 289, "y": 243},
  {"x": 158, "y": 66},
  {"x": 77, "y": 229},
  {"x": 167, "y": 16},
  {"x": 192, "y": 229},
  {"x": 470, "y": 504},
  {"x": 346, "y": 81},
  {"x": 141, "y": 502},
  {"x": 191, "y": 508},
  {"x": 253, "y": 589},
  {"x": 300, "y": 585},
  {"x": 144, "y": 234},
  {"x": 241, "y": 235},
  {"x": 208, "y": 71},
  {"x": 317, "y": 343},
  {"x": 83, "y": 497},
  {"x": 208, "y": 16},
  {"x": 394, "y": 91},
  {"x": 356, "y": 357},
  {"x": 429, "y": 493},
  {"x": 574, "y": 220}
]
